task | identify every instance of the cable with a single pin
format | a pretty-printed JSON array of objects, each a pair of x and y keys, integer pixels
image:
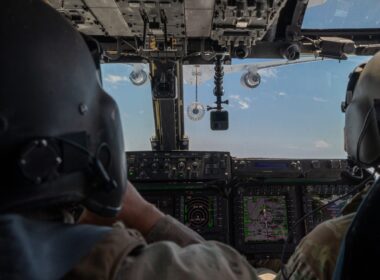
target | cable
[
  {"x": 196, "y": 84},
  {"x": 218, "y": 82},
  {"x": 75, "y": 145},
  {"x": 361, "y": 135},
  {"x": 95, "y": 161},
  {"x": 218, "y": 77},
  {"x": 356, "y": 189}
]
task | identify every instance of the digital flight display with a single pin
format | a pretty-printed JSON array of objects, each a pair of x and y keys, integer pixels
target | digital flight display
[
  {"x": 199, "y": 211},
  {"x": 265, "y": 218},
  {"x": 204, "y": 211}
]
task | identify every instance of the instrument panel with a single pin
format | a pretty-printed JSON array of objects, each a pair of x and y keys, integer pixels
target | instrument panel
[
  {"x": 178, "y": 166},
  {"x": 263, "y": 217},
  {"x": 251, "y": 204},
  {"x": 203, "y": 210}
]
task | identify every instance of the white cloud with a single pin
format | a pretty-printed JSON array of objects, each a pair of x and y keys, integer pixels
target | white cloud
[
  {"x": 318, "y": 99},
  {"x": 282, "y": 94},
  {"x": 268, "y": 73},
  {"x": 141, "y": 112},
  {"x": 321, "y": 144},
  {"x": 243, "y": 103},
  {"x": 115, "y": 79}
]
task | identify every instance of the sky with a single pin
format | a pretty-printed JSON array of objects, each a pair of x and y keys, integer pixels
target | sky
[
  {"x": 294, "y": 113},
  {"x": 344, "y": 14}
]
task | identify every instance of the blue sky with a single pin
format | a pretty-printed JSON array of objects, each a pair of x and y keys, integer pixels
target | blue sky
[
  {"x": 294, "y": 113},
  {"x": 344, "y": 14}
]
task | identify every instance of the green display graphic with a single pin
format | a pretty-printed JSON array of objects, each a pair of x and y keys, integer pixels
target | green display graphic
[
  {"x": 199, "y": 211},
  {"x": 265, "y": 218}
]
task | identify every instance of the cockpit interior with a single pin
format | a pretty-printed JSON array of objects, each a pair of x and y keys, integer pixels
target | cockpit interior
[{"x": 231, "y": 108}]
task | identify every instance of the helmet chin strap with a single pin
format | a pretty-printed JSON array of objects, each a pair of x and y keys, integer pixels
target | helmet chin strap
[
  {"x": 361, "y": 136},
  {"x": 367, "y": 122}
]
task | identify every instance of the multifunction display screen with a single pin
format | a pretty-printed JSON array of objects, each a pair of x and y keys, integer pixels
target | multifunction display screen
[
  {"x": 265, "y": 218},
  {"x": 204, "y": 211},
  {"x": 199, "y": 211}
]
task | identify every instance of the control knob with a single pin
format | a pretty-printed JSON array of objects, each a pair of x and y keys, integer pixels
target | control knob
[
  {"x": 316, "y": 164},
  {"x": 195, "y": 165},
  {"x": 296, "y": 165},
  {"x": 167, "y": 165},
  {"x": 154, "y": 165},
  {"x": 181, "y": 165}
]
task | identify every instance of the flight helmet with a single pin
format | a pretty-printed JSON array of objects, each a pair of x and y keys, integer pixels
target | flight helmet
[
  {"x": 362, "y": 108},
  {"x": 60, "y": 132}
]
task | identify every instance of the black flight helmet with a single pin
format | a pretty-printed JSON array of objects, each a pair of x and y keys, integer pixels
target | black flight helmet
[
  {"x": 60, "y": 132},
  {"x": 362, "y": 108}
]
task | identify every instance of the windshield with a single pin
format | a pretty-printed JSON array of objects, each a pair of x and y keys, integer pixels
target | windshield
[
  {"x": 293, "y": 113},
  {"x": 135, "y": 105},
  {"x": 342, "y": 14}
]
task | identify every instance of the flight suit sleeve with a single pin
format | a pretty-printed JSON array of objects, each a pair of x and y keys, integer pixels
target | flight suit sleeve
[
  {"x": 169, "y": 229},
  {"x": 176, "y": 252},
  {"x": 316, "y": 255}
]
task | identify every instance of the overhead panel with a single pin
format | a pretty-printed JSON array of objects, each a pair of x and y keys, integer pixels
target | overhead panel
[
  {"x": 153, "y": 11},
  {"x": 238, "y": 22},
  {"x": 175, "y": 25},
  {"x": 108, "y": 14},
  {"x": 199, "y": 15},
  {"x": 124, "y": 18},
  {"x": 80, "y": 16}
]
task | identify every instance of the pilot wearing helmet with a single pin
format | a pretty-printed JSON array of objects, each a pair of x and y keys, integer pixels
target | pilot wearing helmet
[
  {"x": 62, "y": 145},
  {"x": 317, "y": 254}
]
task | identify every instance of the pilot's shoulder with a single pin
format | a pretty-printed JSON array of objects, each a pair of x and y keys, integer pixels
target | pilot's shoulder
[
  {"x": 316, "y": 255},
  {"x": 330, "y": 231}
]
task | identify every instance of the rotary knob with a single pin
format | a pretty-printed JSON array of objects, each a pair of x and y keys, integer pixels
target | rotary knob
[
  {"x": 155, "y": 166},
  {"x": 181, "y": 165},
  {"x": 296, "y": 165},
  {"x": 195, "y": 165}
]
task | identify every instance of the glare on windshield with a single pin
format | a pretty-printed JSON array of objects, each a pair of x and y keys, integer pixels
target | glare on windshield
[{"x": 342, "y": 14}]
